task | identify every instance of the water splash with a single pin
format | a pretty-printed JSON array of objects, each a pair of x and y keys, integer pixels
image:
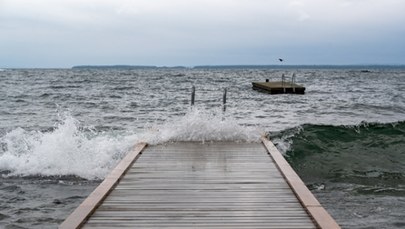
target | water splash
[
  {"x": 201, "y": 125},
  {"x": 67, "y": 150},
  {"x": 283, "y": 140},
  {"x": 73, "y": 150}
]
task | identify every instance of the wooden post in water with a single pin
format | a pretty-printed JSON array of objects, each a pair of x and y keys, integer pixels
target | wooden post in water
[
  {"x": 224, "y": 100},
  {"x": 293, "y": 82},
  {"x": 282, "y": 82},
  {"x": 192, "y": 95}
]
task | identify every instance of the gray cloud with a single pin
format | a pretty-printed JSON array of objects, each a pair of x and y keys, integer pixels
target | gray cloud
[{"x": 46, "y": 33}]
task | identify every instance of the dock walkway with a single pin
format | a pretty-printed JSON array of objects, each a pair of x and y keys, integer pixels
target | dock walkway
[{"x": 195, "y": 185}]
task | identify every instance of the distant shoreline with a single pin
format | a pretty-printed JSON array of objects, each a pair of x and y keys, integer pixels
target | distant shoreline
[{"x": 365, "y": 67}]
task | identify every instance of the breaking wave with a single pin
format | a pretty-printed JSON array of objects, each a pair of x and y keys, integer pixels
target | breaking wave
[
  {"x": 369, "y": 155},
  {"x": 70, "y": 149},
  {"x": 67, "y": 150},
  {"x": 201, "y": 125}
]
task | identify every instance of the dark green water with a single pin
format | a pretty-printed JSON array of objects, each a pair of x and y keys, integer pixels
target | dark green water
[{"x": 357, "y": 172}]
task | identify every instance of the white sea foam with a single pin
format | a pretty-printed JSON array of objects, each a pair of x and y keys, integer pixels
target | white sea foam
[
  {"x": 65, "y": 151},
  {"x": 201, "y": 125},
  {"x": 284, "y": 142},
  {"x": 70, "y": 150}
]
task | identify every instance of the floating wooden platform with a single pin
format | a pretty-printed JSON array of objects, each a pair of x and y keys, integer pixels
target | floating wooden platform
[
  {"x": 279, "y": 87},
  {"x": 194, "y": 185}
]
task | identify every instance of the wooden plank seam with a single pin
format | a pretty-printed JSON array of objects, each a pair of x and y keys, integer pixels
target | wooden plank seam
[
  {"x": 79, "y": 216},
  {"x": 320, "y": 216},
  {"x": 215, "y": 187}
]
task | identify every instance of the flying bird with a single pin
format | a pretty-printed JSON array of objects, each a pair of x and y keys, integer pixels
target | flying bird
[{"x": 281, "y": 60}]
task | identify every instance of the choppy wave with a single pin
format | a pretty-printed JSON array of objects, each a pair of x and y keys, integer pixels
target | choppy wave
[
  {"x": 370, "y": 155},
  {"x": 201, "y": 125},
  {"x": 70, "y": 149},
  {"x": 67, "y": 150}
]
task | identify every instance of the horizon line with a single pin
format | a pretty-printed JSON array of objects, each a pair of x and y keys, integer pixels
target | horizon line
[{"x": 208, "y": 66}]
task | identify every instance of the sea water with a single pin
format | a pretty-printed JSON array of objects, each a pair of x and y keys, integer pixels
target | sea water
[{"x": 63, "y": 130}]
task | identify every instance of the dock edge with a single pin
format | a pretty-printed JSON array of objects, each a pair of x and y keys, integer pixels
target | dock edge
[
  {"x": 81, "y": 214},
  {"x": 319, "y": 215}
]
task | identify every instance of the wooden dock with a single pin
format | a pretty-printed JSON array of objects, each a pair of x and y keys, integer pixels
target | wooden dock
[
  {"x": 195, "y": 185},
  {"x": 279, "y": 87}
]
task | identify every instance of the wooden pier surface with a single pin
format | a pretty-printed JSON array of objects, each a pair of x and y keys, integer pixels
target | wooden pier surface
[
  {"x": 195, "y": 185},
  {"x": 278, "y": 87}
]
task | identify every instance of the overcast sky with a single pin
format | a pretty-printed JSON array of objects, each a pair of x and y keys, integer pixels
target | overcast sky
[{"x": 63, "y": 33}]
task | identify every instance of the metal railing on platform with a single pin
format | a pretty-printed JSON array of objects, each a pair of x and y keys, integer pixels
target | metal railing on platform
[{"x": 223, "y": 97}]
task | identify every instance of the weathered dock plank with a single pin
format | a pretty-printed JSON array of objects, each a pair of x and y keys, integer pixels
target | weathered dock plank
[
  {"x": 89, "y": 205},
  {"x": 320, "y": 216},
  {"x": 211, "y": 185}
]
